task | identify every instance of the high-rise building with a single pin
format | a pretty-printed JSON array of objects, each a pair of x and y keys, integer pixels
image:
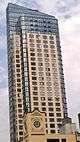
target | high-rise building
[
  {"x": 79, "y": 119},
  {"x": 35, "y": 70}
]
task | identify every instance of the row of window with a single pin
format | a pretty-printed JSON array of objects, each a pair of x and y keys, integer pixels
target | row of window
[{"x": 44, "y": 36}]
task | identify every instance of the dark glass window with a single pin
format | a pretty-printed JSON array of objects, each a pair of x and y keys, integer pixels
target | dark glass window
[
  {"x": 53, "y": 131},
  {"x": 35, "y": 103},
  {"x": 52, "y": 125},
  {"x": 32, "y": 54},
  {"x": 19, "y": 105},
  {"x": 34, "y": 78},
  {"x": 51, "y": 114},
  {"x": 20, "y": 133},
  {"x": 50, "y": 109},
  {"x": 33, "y": 63},
  {"x": 58, "y": 114},
  {"x": 35, "y": 93},
  {"x": 63, "y": 140},
  {"x": 33, "y": 68},
  {"x": 51, "y": 119},
  {"x": 35, "y": 98}
]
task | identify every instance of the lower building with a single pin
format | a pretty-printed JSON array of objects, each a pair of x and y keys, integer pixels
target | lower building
[{"x": 34, "y": 130}]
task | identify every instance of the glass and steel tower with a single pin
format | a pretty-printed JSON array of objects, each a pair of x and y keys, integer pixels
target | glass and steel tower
[{"x": 35, "y": 69}]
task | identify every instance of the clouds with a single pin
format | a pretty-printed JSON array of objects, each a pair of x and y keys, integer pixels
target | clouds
[
  {"x": 70, "y": 33},
  {"x": 4, "y": 113}
]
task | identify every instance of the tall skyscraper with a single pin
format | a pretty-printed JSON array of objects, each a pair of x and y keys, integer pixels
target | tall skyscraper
[{"x": 35, "y": 70}]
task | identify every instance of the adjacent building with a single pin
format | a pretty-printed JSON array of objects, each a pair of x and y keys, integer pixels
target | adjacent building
[{"x": 35, "y": 70}]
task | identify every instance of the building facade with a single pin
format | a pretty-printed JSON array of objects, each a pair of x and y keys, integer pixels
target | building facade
[
  {"x": 35, "y": 71},
  {"x": 34, "y": 130}
]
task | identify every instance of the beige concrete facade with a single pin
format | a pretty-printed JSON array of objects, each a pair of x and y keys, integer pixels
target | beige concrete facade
[
  {"x": 36, "y": 133},
  {"x": 44, "y": 78},
  {"x": 43, "y": 85}
]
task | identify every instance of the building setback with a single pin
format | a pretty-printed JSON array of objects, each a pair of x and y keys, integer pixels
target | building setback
[{"x": 35, "y": 70}]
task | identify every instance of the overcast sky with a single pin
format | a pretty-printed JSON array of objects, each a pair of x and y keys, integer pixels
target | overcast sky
[{"x": 68, "y": 13}]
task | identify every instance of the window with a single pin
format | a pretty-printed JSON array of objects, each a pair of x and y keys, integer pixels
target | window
[
  {"x": 35, "y": 103},
  {"x": 58, "y": 114},
  {"x": 19, "y": 85},
  {"x": 31, "y": 40},
  {"x": 17, "y": 56},
  {"x": 32, "y": 49},
  {"x": 45, "y": 46},
  {"x": 17, "y": 61},
  {"x": 35, "y": 98},
  {"x": 37, "y": 36},
  {"x": 19, "y": 105},
  {"x": 32, "y": 54},
  {"x": 34, "y": 78},
  {"x": 19, "y": 90},
  {"x": 52, "y": 46},
  {"x": 50, "y": 104},
  {"x": 46, "y": 50},
  {"x": 17, "y": 65},
  {"x": 18, "y": 75},
  {"x": 44, "y": 37},
  {"x": 52, "y": 125},
  {"x": 31, "y": 44},
  {"x": 51, "y": 37},
  {"x": 40, "y": 64},
  {"x": 53, "y": 131},
  {"x": 18, "y": 70},
  {"x": 58, "y": 109},
  {"x": 35, "y": 93},
  {"x": 43, "y": 109},
  {"x": 35, "y": 88},
  {"x": 33, "y": 59},
  {"x": 39, "y": 54},
  {"x": 40, "y": 59},
  {"x": 33, "y": 73},
  {"x": 20, "y": 110},
  {"x": 33, "y": 68},
  {"x": 57, "y": 98},
  {"x": 46, "y": 55},
  {"x": 40, "y": 68},
  {"x": 17, "y": 51},
  {"x": 57, "y": 104},
  {"x": 51, "y": 119},
  {"x": 20, "y": 133},
  {"x": 31, "y": 35},
  {"x": 20, "y": 121},
  {"x": 19, "y": 100},
  {"x": 63, "y": 140},
  {"x": 51, "y": 42},
  {"x": 50, "y": 99},
  {"x": 34, "y": 83},
  {"x": 33, "y": 63},
  {"x": 20, "y": 127},
  {"x": 39, "y": 50},
  {"x": 51, "y": 114},
  {"x": 45, "y": 41},
  {"x": 43, "y": 104},
  {"x": 38, "y": 41},
  {"x": 38, "y": 45},
  {"x": 59, "y": 120},
  {"x": 18, "y": 80},
  {"x": 50, "y": 109}
]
